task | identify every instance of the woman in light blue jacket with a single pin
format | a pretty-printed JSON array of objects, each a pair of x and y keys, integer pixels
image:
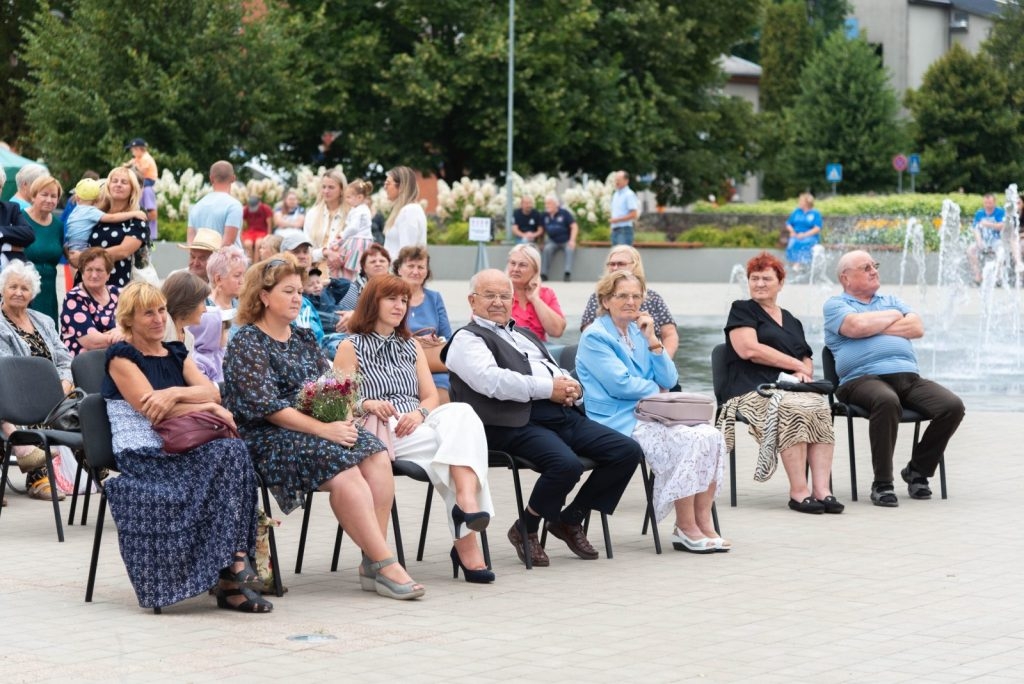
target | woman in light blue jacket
[{"x": 621, "y": 361}]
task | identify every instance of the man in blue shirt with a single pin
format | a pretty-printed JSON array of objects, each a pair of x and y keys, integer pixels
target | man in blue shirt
[
  {"x": 625, "y": 210},
  {"x": 561, "y": 229},
  {"x": 870, "y": 335},
  {"x": 218, "y": 210},
  {"x": 987, "y": 229},
  {"x": 527, "y": 222}
]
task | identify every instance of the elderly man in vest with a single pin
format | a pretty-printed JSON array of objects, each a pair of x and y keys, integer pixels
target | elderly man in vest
[
  {"x": 870, "y": 335},
  {"x": 529, "y": 407}
]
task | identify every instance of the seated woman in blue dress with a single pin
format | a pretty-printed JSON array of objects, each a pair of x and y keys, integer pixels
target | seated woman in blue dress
[
  {"x": 183, "y": 520},
  {"x": 621, "y": 361},
  {"x": 268, "y": 362},
  {"x": 428, "y": 318}
]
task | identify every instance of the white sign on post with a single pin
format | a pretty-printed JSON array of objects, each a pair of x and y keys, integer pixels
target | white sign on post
[{"x": 479, "y": 229}]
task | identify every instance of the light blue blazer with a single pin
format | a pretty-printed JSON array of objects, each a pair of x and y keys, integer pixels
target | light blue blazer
[{"x": 614, "y": 379}]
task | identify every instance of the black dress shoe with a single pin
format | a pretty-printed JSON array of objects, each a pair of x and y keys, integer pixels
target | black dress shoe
[
  {"x": 808, "y": 505},
  {"x": 574, "y": 538}
]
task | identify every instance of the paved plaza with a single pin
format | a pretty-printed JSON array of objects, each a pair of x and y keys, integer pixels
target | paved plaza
[{"x": 927, "y": 592}]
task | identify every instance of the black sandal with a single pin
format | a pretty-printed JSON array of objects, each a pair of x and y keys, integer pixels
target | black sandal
[
  {"x": 253, "y": 603},
  {"x": 246, "y": 577}
]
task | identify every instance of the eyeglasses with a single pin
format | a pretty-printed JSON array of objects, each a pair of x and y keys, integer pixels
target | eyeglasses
[
  {"x": 624, "y": 297},
  {"x": 866, "y": 268},
  {"x": 618, "y": 264},
  {"x": 494, "y": 296}
]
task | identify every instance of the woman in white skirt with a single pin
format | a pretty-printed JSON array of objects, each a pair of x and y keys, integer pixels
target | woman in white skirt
[
  {"x": 400, "y": 401},
  {"x": 621, "y": 361}
]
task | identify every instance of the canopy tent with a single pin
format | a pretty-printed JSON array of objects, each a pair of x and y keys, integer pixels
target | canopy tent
[{"x": 12, "y": 163}]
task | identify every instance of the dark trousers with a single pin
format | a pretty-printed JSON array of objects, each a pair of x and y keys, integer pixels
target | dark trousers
[
  {"x": 551, "y": 441},
  {"x": 884, "y": 396}
]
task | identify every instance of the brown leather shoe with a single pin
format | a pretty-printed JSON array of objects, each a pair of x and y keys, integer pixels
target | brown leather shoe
[
  {"x": 574, "y": 538},
  {"x": 537, "y": 556}
]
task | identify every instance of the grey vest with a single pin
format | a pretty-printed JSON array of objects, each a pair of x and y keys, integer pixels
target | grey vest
[{"x": 492, "y": 411}]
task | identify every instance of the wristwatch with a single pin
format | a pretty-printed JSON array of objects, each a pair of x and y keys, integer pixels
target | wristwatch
[{"x": 424, "y": 411}]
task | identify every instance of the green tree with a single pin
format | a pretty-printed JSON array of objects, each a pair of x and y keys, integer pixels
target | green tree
[
  {"x": 965, "y": 126},
  {"x": 786, "y": 42},
  {"x": 597, "y": 88},
  {"x": 199, "y": 79},
  {"x": 846, "y": 112},
  {"x": 1006, "y": 49}
]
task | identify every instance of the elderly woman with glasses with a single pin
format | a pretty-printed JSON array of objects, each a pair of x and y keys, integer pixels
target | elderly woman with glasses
[
  {"x": 626, "y": 258},
  {"x": 762, "y": 340},
  {"x": 621, "y": 361}
]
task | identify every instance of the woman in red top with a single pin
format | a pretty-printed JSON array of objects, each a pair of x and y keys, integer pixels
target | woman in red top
[{"x": 535, "y": 307}]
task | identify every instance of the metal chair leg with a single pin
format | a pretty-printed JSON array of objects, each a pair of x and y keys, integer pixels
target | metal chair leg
[
  {"x": 426, "y": 519},
  {"x": 398, "y": 531},
  {"x": 522, "y": 515},
  {"x": 53, "y": 490},
  {"x": 487, "y": 550},
  {"x": 97, "y": 538},
  {"x": 307, "y": 505},
  {"x": 649, "y": 515},
  {"x": 853, "y": 458},
  {"x": 272, "y": 541},
  {"x": 607, "y": 537},
  {"x": 74, "y": 495},
  {"x": 732, "y": 477},
  {"x": 337, "y": 548},
  {"x": 714, "y": 518}
]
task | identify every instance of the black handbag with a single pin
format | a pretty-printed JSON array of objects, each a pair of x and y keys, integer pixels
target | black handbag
[
  {"x": 816, "y": 386},
  {"x": 64, "y": 416}
]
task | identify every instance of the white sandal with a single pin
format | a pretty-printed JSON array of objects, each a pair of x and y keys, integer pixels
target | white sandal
[{"x": 680, "y": 542}]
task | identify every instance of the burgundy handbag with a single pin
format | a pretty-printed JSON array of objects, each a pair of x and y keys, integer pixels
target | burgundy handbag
[{"x": 190, "y": 430}]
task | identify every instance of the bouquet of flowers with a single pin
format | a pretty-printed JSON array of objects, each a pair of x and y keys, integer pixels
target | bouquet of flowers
[{"x": 330, "y": 397}]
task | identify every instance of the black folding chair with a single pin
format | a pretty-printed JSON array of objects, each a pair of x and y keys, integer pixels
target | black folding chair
[
  {"x": 31, "y": 388},
  {"x": 718, "y": 379},
  {"x": 87, "y": 370},
  {"x": 852, "y": 411}
]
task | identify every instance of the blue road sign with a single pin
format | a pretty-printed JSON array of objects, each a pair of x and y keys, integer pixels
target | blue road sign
[
  {"x": 833, "y": 173},
  {"x": 914, "y": 164}
]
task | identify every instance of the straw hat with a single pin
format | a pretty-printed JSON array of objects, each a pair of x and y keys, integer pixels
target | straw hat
[{"x": 207, "y": 239}]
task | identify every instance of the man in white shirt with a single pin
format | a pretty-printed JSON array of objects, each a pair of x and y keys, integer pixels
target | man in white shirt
[{"x": 529, "y": 407}]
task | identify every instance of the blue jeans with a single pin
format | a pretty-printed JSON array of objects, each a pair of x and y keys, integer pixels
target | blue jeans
[{"x": 622, "y": 235}]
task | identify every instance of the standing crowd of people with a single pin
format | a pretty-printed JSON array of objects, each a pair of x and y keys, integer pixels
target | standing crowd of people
[{"x": 273, "y": 299}]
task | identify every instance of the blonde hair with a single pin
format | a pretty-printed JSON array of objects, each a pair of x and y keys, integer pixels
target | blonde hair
[
  {"x": 106, "y": 200},
  {"x": 361, "y": 187},
  {"x": 136, "y": 296},
  {"x": 530, "y": 252},
  {"x": 634, "y": 255},
  {"x": 316, "y": 231},
  {"x": 44, "y": 182},
  {"x": 609, "y": 282},
  {"x": 263, "y": 276},
  {"x": 408, "y": 192}
]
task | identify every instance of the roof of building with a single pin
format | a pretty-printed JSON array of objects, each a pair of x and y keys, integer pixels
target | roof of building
[
  {"x": 737, "y": 66},
  {"x": 981, "y": 8}
]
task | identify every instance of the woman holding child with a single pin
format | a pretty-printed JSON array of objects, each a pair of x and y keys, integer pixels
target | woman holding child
[{"x": 121, "y": 238}]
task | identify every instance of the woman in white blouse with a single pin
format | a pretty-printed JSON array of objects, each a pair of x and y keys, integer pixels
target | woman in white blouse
[
  {"x": 326, "y": 219},
  {"x": 407, "y": 223}
]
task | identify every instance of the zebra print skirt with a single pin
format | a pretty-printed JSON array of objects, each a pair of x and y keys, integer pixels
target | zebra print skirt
[{"x": 778, "y": 423}]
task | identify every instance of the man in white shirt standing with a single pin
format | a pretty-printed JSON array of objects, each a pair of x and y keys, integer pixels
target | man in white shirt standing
[{"x": 625, "y": 210}]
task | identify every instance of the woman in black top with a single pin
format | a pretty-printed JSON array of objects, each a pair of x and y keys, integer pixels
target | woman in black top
[{"x": 762, "y": 340}]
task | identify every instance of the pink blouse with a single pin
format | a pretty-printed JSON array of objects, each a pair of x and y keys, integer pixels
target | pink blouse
[{"x": 526, "y": 317}]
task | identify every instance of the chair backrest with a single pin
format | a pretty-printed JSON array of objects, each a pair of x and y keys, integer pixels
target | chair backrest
[
  {"x": 88, "y": 370},
  {"x": 96, "y": 433},
  {"x": 718, "y": 372},
  {"x": 828, "y": 366},
  {"x": 31, "y": 388},
  {"x": 567, "y": 358}
]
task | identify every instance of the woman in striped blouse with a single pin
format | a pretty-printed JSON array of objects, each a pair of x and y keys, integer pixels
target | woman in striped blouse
[{"x": 400, "y": 402}]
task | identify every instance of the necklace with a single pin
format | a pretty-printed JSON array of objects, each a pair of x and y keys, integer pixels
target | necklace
[{"x": 626, "y": 341}]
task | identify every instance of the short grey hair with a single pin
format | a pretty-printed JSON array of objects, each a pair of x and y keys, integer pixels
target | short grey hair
[
  {"x": 530, "y": 252},
  {"x": 28, "y": 173},
  {"x": 492, "y": 272},
  {"x": 844, "y": 261},
  {"x": 25, "y": 271},
  {"x": 552, "y": 196}
]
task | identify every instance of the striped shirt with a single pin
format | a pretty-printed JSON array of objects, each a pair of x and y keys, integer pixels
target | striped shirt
[
  {"x": 388, "y": 367},
  {"x": 876, "y": 355}
]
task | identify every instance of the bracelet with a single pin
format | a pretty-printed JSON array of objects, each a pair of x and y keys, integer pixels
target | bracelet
[
  {"x": 656, "y": 347},
  {"x": 424, "y": 411},
  {"x": 358, "y": 407}
]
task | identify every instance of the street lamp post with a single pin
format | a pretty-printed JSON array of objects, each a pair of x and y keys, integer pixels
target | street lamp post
[{"x": 511, "y": 84}]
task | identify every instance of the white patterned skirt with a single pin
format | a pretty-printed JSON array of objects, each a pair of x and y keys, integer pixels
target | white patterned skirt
[{"x": 686, "y": 460}]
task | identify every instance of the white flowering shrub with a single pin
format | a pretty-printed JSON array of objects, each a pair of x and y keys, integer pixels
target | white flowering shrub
[
  {"x": 174, "y": 196},
  {"x": 590, "y": 203}
]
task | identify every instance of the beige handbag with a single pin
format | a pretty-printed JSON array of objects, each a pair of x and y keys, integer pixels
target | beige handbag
[{"x": 676, "y": 408}]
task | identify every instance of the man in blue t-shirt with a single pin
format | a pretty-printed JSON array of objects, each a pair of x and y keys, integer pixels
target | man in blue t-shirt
[
  {"x": 870, "y": 336},
  {"x": 625, "y": 209},
  {"x": 218, "y": 210},
  {"x": 988, "y": 230},
  {"x": 527, "y": 222},
  {"x": 561, "y": 229}
]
